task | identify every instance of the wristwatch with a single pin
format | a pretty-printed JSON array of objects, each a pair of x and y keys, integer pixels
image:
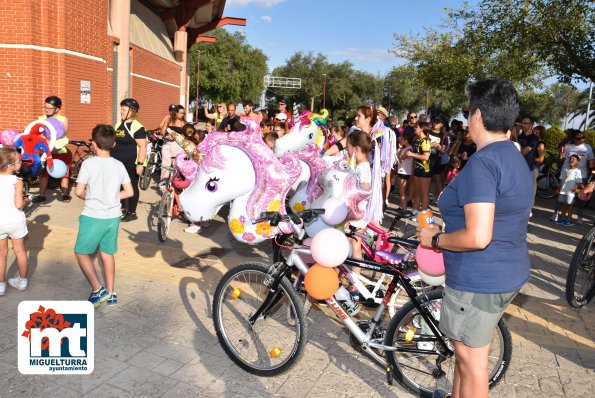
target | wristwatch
[
  {"x": 435, "y": 240},
  {"x": 140, "y": 163}
]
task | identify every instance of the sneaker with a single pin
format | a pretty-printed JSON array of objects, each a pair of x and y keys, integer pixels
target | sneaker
[
  {"x": 2, "y": 288},
  {"x": 559, "y": 220},
  {"x": 192, "y": 229},
  {"x": 18, "y": 283},
  {"x": 129, "y": 217},
  {"x": 39, "y": 199},
  {"x": 112, "y": 299},
  {"x": 580, "y": 221},
  {"x": 98, "y": 296},
  {"x": 567, "y": 223},
  {"x": 440, "y": 393},
  {"x": 66, "y": 198}
]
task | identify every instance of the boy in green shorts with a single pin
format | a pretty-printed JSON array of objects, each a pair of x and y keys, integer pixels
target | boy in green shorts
[{"x": 98, "y": 184}]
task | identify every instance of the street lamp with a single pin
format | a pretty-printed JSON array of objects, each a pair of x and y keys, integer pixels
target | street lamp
[{"x": 324, "y": 92}]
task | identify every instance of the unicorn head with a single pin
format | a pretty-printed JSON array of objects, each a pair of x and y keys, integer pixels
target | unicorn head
[
  {"x": 309, "y": 129},
  {"x": 239, "y": 167}
]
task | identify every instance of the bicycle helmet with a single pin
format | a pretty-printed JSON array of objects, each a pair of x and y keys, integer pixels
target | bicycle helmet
[
  {"x": 131, "y": 103},
  {"x": 55, "y": 101}
]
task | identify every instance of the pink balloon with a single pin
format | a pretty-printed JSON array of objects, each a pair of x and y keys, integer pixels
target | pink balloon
[
  {"x": 430, "y": 261},
  {"x": 7, "y": 137},
  {"x": 335, "y": 211},
  {"x": 187, "y": 167},
  {"x": 330, "y": 247}
]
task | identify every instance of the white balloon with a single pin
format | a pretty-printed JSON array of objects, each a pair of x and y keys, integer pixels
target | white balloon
[
  {"x": 432, "y": 280},
  {"x": 335, "y": 211},
  {"x": 330, "y": 247}
]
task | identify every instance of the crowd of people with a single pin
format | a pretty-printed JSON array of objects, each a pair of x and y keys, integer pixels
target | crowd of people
[{"x": 483, "y": 174}]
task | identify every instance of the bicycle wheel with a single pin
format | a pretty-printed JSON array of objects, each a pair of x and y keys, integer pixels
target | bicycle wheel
[
  {"x": 77, "y": 166},
  {"x": 145, "y": 178},
  {"x": 418, "y": 371},
  {"x": 547, "y": 185},
  {"x": 271, "y": 345},
  {"x": 400, "y": 298},
  {"x": 164, "y": 215},
  {"x": 580, "y": 282}
]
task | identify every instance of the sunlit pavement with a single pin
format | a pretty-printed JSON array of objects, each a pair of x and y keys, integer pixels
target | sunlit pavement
[{"x": 160, "y": 341}]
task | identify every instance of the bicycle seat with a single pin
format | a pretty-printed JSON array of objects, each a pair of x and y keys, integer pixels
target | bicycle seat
[
  {"x": 400, "y": 213},
  {"x": 80, "y": 143},
  {"x": 390, "y": 258}
]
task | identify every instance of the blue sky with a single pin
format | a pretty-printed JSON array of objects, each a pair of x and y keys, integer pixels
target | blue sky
[{"x": 358, "y": 31}]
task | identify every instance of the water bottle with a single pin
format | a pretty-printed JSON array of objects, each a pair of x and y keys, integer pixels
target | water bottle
[{"x": 344, "y": 297}]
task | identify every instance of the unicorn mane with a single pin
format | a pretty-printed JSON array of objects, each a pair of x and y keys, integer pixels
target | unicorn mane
[{"x": 274, "y": 178}]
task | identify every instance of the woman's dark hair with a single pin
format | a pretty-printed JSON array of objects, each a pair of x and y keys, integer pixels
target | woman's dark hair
[
  {"x": 188, "y": 131},
  {"x": 498, "y": 102},
  {"x": 104, "y": 136},
  {"x": 360, "y": 139}
]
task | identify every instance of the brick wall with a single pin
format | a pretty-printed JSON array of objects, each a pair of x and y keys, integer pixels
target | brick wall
[
  {"x": 153, "y": 97},
  {"x": 28, "y": 75}
]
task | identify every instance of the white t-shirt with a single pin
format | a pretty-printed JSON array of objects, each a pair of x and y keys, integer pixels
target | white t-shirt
[
  {"x": 584, "y": 152},
  {"x": 570, "y": 179},
  {"x": 103, "y": 177},
  {"x": 364, "y": 173},
  {"x": 10, "y": 213},
  {"x": 405, "y": 165}
]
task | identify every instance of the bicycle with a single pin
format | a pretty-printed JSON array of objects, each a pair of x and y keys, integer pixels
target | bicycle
[
  {"x": 548, "y": 183},
  {"x": 83, "y": 154},
  {"x": 153, "y": 159},
  {"x": 383, "y": 248},
  {"x": 169, "y": 204},
  {"x": 249, "y": 314},
  {"x": 580, "y": 281}
]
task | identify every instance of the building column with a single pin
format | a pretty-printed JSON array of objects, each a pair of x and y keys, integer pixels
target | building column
[
  {"x": 120, "y": 23},
  {"x": 181, "y": 55}
]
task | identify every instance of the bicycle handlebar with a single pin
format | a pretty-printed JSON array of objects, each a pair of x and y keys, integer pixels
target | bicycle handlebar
[{"x": 81, "y": 143}]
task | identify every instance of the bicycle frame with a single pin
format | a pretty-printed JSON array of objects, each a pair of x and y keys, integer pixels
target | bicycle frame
[{"x": 364, "y": 338}]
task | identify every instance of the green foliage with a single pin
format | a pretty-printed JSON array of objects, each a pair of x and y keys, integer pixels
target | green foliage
[
  {"x": 230, "y": 69},
  {"x": 590, "y": 136},
  {"x": 547, "y": 106},
  {"x": 552, "y": 139}
]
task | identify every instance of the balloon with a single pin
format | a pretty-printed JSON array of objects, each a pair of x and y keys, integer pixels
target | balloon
[
  {"x": 335, "y": 211},
  {"x": 432, "y": 280},
  {"x": 58, "y": 170},
  {"x": 321, "y": 282},
  {"x": 58, "y": 126},
  {"x": 330, "y": 247},
  {"x": 8, "y": 137},
  {"x": 315, "y": 226},
  {"x": 430, "y": 261},
  {"x": 187, "y": 167}
]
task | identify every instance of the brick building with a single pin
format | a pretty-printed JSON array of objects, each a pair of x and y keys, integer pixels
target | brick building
[{"x": 92, "y": 54}]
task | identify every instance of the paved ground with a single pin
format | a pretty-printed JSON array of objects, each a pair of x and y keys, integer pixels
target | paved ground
[{"x": 159, "y": 341}]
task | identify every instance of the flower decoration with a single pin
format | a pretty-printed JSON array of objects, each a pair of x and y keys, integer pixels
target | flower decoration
[{"x": 236, "y": 226}]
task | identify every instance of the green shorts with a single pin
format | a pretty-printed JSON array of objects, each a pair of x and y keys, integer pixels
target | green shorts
[
  {"x": 472, "y": 317},
  {"x": 97, "y": 232}
]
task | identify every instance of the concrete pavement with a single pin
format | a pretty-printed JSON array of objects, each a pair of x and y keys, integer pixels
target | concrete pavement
[{"x": 160, "y": 341}]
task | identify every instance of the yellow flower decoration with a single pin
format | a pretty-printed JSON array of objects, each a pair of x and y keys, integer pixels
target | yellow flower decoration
[
  {"x": 264, "y": 228},
  {"x": 274, "y": 205},
  {"x": 236, "y": 226},
  {"x": 298, "y": 206}
]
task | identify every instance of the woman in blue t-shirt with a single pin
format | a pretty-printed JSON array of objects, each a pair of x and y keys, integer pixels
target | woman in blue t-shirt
[{"x": 486, "y": 212}]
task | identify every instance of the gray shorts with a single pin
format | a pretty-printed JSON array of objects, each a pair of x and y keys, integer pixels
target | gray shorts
[
  {"x": 14, "y": 231},
  {"x": 471, "y": 317},
  {"x": 566, "y": 198}
]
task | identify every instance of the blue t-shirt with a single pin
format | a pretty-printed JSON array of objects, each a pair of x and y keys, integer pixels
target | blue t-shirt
[{"x": 497, "y": 174}]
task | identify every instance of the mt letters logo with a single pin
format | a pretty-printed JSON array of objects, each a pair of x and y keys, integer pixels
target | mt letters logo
[{"x": 56, "y": 337}]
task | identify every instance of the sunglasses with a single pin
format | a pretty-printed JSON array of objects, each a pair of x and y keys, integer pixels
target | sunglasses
[
  {"x": 412, "y": 117},
  {"x": 579, "y": 138}
]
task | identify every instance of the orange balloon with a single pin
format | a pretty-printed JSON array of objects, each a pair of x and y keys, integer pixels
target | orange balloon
[{"x": 321, "y": 282}]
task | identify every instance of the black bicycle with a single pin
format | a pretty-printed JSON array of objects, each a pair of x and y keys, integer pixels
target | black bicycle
[
  {"x": 252, "y": 300},
  {"x": 548, "y": 183},
  {"x": 153, "y": 159},
  {"x": 580, "y": 282}
]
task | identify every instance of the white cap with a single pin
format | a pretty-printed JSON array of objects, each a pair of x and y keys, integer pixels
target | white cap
[{"x": 281, "y": 116}]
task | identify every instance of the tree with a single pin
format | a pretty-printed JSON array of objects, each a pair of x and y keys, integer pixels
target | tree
[
  {"x": 230, "y": 69},
  {"x": 346, "y": 88},
  {"x": 556, "y": 34},
  {"x": 547, "y": 106}
]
